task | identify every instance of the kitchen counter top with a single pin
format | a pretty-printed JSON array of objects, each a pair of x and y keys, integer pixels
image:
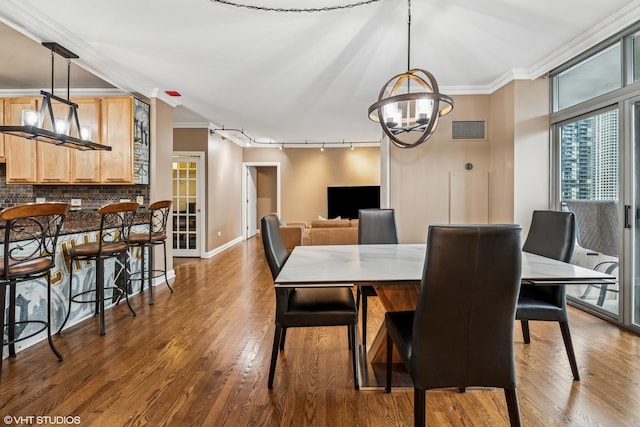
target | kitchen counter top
[{"x": 85, "y": 219}]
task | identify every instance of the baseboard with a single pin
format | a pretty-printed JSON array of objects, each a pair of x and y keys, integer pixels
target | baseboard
[{"x": 222, "y": 248}]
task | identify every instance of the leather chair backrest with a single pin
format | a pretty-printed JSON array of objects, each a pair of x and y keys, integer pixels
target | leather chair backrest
[
  {"x": 274, "y": 248},
  {"x": 463, "y": 325},
  {"x": 552, "y": 234},
  {"x": 377, "y": 226}
]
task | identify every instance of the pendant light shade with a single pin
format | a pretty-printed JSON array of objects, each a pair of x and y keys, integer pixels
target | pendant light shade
[{"x": 410, "y": 104}]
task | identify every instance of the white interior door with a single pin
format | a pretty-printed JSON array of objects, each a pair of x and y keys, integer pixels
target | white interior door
[
  {"x": 187, "y": 205},
  {"x": 252, "y": 201}
]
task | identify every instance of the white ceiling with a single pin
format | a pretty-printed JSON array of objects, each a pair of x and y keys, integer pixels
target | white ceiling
[{"x": 296, "y": 76}]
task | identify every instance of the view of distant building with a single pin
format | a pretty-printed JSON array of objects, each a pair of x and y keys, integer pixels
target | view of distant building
[{"x": 589, "y": 158}]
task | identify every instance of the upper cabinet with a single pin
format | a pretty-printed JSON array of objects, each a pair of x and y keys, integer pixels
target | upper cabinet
[
  {"x": 20, "y": 153},
  {"x": 85, "y": 165},
  {"x": 54, "y": 161},
  {"x": 111, "y": 122},
  {"x": 116, "y": 166}
]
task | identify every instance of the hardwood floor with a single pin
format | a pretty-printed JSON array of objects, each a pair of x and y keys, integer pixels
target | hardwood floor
[{"x": 200, "y": 357}]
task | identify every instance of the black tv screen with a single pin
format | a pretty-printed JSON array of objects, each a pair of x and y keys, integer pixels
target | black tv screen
[{"x": 345, "y": 202}]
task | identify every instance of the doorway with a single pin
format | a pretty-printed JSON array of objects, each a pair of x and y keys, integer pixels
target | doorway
[
  {"x": 261, "y": 193},
  {"x": 188, "y": 203}
]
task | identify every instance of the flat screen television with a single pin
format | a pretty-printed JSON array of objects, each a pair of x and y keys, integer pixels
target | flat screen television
[{"x": 345, "y": 202}]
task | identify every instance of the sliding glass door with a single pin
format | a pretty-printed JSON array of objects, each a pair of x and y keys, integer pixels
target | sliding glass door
[
  {"x": 631, "y": 217},
  {"x": 589, "y": 187}
]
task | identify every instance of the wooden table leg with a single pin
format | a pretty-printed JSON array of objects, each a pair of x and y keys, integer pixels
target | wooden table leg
[{"x": 393, "y": 298}]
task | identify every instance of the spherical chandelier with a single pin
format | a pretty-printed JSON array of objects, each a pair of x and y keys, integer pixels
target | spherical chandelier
[{"x": 409, "y": 104}]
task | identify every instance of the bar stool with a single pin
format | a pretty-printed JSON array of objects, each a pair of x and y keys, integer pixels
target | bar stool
[
  {"x": 30, "y": 239},
  {"x": 115, "y": 224},
  {"x": 156, "y": 235}
]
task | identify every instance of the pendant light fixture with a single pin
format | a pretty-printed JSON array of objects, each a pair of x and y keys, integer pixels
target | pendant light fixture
[
  {"x": 409, "y": 104},
  {"x": 61, "y": 128}
]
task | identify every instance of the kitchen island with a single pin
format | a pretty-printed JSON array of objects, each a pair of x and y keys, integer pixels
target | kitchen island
[{"x": 80, "y": 226}]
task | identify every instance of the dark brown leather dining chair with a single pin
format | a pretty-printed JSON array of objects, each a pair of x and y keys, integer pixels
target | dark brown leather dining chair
[
  {"x": 461, "y": 333},
  {"x": 305, "y": 307},
  {"x": 553, "y": 235},
  {"x": 29, "y": 246},
  {"x": 375, "y": 227}
]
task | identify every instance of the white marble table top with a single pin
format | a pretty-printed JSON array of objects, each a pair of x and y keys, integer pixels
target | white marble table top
[
  {"x": 346, "y": 264},
  {"x": 542, "y": 270}
]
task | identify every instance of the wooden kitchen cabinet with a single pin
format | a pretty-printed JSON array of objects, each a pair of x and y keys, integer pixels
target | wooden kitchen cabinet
[
  {"x": 85, "y": 165},
  {"x": 20, "y": 153},
  {"x": 111, "y": 122},
  {"x": 54, "y": 161},
  {"x": 116, "y": 166}
]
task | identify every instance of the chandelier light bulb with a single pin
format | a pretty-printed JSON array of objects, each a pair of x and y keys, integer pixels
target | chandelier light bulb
[
  {"x": 30, "y": 118},
  {"x": 85, "y": 133},
  {"x": 61, "y": 127}
]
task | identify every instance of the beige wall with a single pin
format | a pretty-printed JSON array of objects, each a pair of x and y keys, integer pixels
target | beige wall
[
  {"x": 224, "y": 192},
  {"x": 161, "y": 150},
  {"x": 223, "y": 160},
  {"x": 501, "y": 136},
  {"x": 514, "y": 158},
  {"x": 519, "y": 151},
  {"x": 306, "y": 173},
  {"x": 419, "y": 178},
  {"x": 531, "y": 150}
]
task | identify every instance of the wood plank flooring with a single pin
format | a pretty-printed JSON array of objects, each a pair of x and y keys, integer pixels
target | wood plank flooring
[{"x": 200, "y": 357}]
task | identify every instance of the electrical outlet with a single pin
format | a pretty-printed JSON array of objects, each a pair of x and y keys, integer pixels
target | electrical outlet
[
  {"x": 40, "y": 199},
  {"x": 219, "y": 233},
  {"x": 76, "y": 202},
  {"x": 140, "y": 200}
]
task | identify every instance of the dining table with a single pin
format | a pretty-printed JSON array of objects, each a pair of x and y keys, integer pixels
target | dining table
[{"x": 395, "y": 270}]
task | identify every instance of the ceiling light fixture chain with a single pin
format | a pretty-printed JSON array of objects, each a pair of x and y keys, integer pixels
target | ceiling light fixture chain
[
  {"x": 409, "y": 36},
  {"x": 296, "y": 10}
]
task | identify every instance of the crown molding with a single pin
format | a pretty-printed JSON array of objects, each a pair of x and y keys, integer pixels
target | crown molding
[
  {"x": 35, "y": 25},
  {"x": 192, "y": 125},
  {"x": 98, "y": 92},
  {"x": 615, "y": 23}
]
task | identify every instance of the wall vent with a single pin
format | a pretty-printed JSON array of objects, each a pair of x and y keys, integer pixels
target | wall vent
[{"x": 468, "y": 129}]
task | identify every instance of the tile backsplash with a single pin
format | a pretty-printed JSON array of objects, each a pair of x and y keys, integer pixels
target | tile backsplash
[{"x": 92, "y": 196}]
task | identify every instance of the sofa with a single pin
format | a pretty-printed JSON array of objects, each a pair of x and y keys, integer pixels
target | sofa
[
  {"x": 334, "y": 232},
  {"x": 320, "y": 232},
  {"x": 295, "y": 234}
]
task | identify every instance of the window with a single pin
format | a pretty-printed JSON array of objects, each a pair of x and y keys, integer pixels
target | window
[
  {"x": 589, "y": 158},
  {"x": 635, "y": 54},
  {"x": 594, "y": 76}
]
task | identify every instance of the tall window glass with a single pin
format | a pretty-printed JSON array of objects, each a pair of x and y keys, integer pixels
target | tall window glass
[{"x": 589, "y": 174}]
